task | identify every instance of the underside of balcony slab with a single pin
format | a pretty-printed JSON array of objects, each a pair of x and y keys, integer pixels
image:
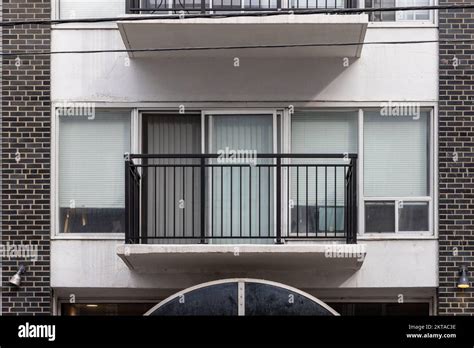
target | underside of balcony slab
[
  {"x": 315, "y": 34},
  {"x": 240, "y": 257}
]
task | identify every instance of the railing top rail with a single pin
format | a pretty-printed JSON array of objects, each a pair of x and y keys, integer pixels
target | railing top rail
[{"x": 259, "y": 155}]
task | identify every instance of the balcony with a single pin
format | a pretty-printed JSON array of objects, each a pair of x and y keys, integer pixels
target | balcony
[
  {"x": 189, "y": 210},
  {"x": 249, "y": 29}
]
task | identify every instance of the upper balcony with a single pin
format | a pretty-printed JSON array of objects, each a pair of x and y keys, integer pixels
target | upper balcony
[
  {"x": 231, "y": 36},
  {"x": 278, "y": 210}
]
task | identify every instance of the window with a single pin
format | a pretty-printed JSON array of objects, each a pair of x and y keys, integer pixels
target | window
[
  {"x": 396, "y": 172},
  {"x": 69, "y": 9},
  {"x": 400, "y": 16},
  {"x": 105, "y": 309},
  {"x": 320, "y": 133},
  {"x": 91, "y": 172},
  {"x": 380, "y": 308}
]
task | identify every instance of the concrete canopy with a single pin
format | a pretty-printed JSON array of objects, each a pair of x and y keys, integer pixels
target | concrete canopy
[{"x": 248, "y": 31}]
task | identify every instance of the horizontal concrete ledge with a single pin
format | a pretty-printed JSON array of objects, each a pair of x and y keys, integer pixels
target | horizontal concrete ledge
[
  {"x": 248, "y": 31},
  {"x": 242, "y": 257},
  {"x": 280, "y": 19}
]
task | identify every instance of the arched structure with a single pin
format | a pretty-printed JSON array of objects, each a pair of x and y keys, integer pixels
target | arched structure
[{"x": 241, "y": 296}]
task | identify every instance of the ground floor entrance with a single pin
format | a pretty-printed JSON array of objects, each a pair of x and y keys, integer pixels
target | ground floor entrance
[{"x": 249, "y": 297}]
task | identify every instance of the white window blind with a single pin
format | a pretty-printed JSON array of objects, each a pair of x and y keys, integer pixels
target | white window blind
[
  {"x": 413, "y": 15},
  {"x": 91, "y": 163},
  {"x": 396, "y": 155},
  {"x": 91, "y": 9},
  {"x": 321, "y": 133}
]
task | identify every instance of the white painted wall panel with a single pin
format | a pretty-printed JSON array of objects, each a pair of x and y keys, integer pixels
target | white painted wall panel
[{"x": 384, "y": 72}]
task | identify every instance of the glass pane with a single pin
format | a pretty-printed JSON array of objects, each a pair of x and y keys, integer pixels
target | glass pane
[
  {"x": 318, "y": 187},
  {"x": 173, "y": 192},
  {"x": 413, "y": 15},
  {"x": 381, "y": 16},
  {"x": 241, "y": 183},
  {"x": 91, "y": 172},
  {"x": 70, "y": 9},
  {"x": 413, "y": 216},
  {"x": 396, "y": 152},
  {"x": 380, "y": 216},
  {"x": 106, "y": 309}
]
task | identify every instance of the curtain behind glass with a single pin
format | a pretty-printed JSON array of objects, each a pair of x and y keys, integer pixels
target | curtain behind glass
[
  {"x": 248, "y": 189},
  {"x": 319, "y": 192},
  {"x": 172, "y": 193}
]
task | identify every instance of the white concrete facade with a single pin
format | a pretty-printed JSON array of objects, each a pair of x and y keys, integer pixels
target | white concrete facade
[{"x": 89, "y": 267}]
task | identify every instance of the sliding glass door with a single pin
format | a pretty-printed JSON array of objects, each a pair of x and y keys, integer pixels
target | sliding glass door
[
  {"x": 171, "y": 191},
  {"x": 241, "y": 184}
]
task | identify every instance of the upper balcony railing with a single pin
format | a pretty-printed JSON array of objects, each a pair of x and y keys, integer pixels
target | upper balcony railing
[
  {"x": 219, "y": 6},
  {"x": 233, "y": 6},
  {"x": 269, "y": 198}
]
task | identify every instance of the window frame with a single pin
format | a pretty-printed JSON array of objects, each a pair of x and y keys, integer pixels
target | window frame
[
  {"x": 55, "y": 206},
  {"x": 430, "y": 198},
  {"x": 285, "y": 122},
  {"x": 431, "y": 21}
]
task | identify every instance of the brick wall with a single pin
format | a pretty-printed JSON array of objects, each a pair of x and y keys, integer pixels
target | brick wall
[
  {"x": 26, "y": 183},
  {"x": 456, "y": 159}
]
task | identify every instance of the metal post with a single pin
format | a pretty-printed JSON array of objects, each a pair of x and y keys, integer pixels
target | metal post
[
  {"x": 203, "y": 201},
  {"x": 278, "y": 202},
  {"x": 203, "y": 6},
  {"x": 127, "y": 198},
  {"x": 354, "y": 198}
]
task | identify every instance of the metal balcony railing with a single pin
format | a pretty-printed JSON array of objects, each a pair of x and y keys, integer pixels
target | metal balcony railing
[
  {"x": 219, "y": 6},
  {"x": 272, "y": 198}
]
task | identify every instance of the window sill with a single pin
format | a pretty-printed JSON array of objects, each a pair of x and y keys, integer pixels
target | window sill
[
  {"x": 402, "y": 25},
  {"x": 89, "y": 236},
  {"x": 396, "y": 236}
]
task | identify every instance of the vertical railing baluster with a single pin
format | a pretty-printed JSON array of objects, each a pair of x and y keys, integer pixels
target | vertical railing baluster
[
  {"x": 203, "y": 200},
  {"x": 297, "y": 201},
  {"x": 316, "y": 227},
  {"x": 127, "y": 200},
  {"x": 307, "y": 203},
  {"x": 288, "y": 199},
  {"x": 212, "y": 201},
  {"x": 354, "y": 199},
  {"x": 326, "y": 200},
  {"x": 269, "y": 202},
  {"x": 231, "y": 199},
  {"x": 184, "y": 201},
  {"x": 240, "y": 200},
  {"x": 260, "y": 202},
  {"x": 155, "y": 211},
  {"x": 335, "y": 201},
  {"x": 278, "y": 194},
  {"x": 174, "y": 200},
  {"x": 165, "y": 203},
  {"x": 222, "y": 201},
  {"x": 346, "y": 181},
  {"x": 250, "y": 201}
]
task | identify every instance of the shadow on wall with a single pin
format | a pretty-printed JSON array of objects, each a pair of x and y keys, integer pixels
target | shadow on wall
[{"x": 246, "y": 79}]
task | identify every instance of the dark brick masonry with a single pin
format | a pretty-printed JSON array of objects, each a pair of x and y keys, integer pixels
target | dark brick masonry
[
  {"x": 456, "y": 159},
  {"x": 26, "y": 184}
]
